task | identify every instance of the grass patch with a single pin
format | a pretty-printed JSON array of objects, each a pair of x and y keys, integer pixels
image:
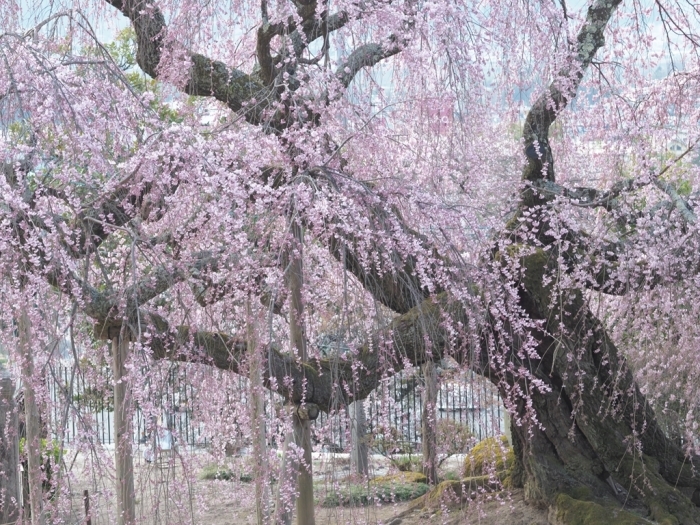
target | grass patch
[
  {"x": 217, "y": 472},
  {"x": 407, "y": 463},
  {"x": 450, "y": 475},
  {"x": 359, "y": 495}
]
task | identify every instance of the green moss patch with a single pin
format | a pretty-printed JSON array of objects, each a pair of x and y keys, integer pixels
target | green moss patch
[
  {"x": 400, "y": 477},
  {"x": 455, "y": 492},
  {"x": 489, "y": 454},
  {"x": 569, "y": 511},
  {"x": 667, "y": 505}
]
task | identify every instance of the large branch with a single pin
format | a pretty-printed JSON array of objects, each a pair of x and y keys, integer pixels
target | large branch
[
  {"x": 95, "y": 221},
  {"x": 400, "y": 287},
  {"x": 367, "y": 55},
  {"x": 315, "y": 31},
  {"x": 111, "y": 307},
  {"x": 301, "y": 35},
  {"x": 589, "y": 197},
  {"x": 328, "y": 383},
  {"x": 609, "y": 265},
  {"x": 563, "y": 88},
  {"x": 594, "y": 198},
  {"x": 618, "y": 268},
  {"x": 678, "y": 202},
  {"x": 325, "y": 382},
  {"x": 208, "y": 78}
]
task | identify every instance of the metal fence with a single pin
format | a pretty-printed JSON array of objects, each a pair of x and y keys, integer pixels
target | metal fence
[
  {"x": 394, "y": 411},
  {"x": 82, "y": 409}
]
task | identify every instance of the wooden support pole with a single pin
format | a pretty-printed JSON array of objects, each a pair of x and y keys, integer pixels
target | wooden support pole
[
  {"x": 86, "y": 501},
  {"x": 359, "y": 454},
  {"x": 305, "y": 481},
  {"x": 9, "y": 451},
  {"x": 302, "y": 427},
  {"x": 257, "y": 417},
  {"x": 429, "y": 423},
  {"x": 32, "y": 420},
  {"x": 291, "y": 468},
  {"x": 283, "y": 515},
  {"x": 123, "y": 430}
]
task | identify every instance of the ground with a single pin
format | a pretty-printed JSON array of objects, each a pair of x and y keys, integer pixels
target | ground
[
  {"x": 161, "y": 500},
  {"x": 505, "y": 508}
]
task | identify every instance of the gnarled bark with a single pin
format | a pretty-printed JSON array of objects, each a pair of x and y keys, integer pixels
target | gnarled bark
[{"x": 598, "y": 437}]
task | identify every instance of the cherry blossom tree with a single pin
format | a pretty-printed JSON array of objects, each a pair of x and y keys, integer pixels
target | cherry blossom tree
[{"x": 511, "y": 185}]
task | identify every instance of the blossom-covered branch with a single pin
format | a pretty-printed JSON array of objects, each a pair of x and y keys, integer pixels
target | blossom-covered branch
[
  {"x": 563, "y": 88},
  {"x": 208, "y": 78},
  {"x": 328, "y": 383}
]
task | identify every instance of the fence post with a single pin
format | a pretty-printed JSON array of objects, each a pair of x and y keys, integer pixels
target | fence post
[{"x": 9, "y": 450}]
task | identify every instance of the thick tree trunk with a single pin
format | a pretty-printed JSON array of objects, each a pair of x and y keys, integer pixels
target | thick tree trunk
[{"x": 598, "y": 439}]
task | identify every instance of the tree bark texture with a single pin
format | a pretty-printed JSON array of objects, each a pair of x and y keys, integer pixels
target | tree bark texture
[{"x": 593, "y": 422}]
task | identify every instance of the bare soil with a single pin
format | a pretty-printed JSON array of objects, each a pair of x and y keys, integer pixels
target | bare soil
[
  {"x": 499, "y": 509},
  {"x": 163, "y": 500}
]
